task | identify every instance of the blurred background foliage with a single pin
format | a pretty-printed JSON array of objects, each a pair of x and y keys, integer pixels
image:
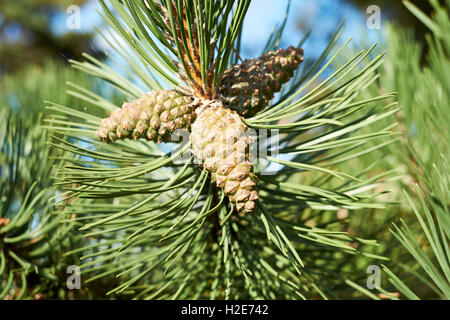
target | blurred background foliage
[
  {"x": 33, "y": 238},
  {"x": 26, "y": 36},
  {"x": 416, "y": 36}
]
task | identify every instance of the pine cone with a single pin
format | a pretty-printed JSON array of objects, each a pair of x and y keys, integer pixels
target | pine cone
[
  {"x": 248, "y": 87},
  {"x": 220, "y": 141},
  {"x": 153, "y": 117}
]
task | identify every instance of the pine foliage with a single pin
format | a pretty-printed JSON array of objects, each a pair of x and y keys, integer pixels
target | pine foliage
[
  {"x": 421, "y": 270},
  {"x": 110, "y": 184},
  {"x": 33, "y": 237},
  {"x": 161, "y": 225}
]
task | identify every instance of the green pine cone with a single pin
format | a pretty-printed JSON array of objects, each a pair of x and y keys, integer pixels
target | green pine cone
[
  {"x": 248, "y": 87},
  {"x": 219, "y": 140},
  {"x": 152, "y": 117}
]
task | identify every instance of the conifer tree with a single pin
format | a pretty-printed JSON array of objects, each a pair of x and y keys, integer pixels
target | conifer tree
[
  {"x": 420, "y": 268},
  {"x": 202, "y": 218},
  {"x": 33, "y": 237}
]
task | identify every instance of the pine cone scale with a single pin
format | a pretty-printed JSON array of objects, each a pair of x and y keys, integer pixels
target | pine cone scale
[
  {"x": 154, "y": 117},
  {"x": 219, "y": 140},
  {"x": 248, "y": 87}
]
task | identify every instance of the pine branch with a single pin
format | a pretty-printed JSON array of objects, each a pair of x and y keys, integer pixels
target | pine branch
[{"x": 168, "y": 229}]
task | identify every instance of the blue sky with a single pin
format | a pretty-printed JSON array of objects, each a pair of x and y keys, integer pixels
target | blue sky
[{"x": 321, "y": 16}]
